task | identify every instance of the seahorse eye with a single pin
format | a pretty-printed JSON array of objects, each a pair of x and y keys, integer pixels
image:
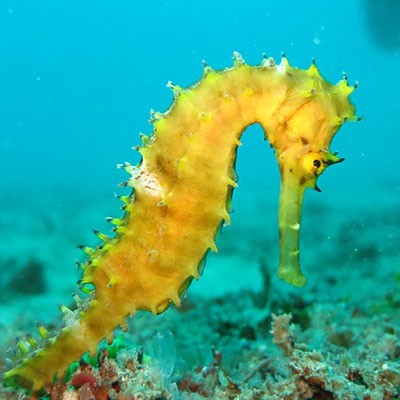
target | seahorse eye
[
  {"x": 317, "y": 163},
  {"x": 312, "y": 163}
]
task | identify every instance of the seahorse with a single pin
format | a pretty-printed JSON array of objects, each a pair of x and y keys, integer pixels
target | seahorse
[{"x": 181, "y": 195}]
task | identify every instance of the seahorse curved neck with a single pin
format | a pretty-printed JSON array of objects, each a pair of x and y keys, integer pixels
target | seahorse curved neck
[{"x": 299, "y": 112}]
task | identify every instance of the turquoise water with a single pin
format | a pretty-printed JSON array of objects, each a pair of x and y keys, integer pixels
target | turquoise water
[{"x": 77, "y": 79}]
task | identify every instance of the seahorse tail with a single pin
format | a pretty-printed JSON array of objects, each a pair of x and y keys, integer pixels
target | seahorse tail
[{"x": 83, "y": 331}]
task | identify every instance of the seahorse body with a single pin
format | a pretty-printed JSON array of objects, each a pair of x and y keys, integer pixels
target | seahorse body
[{"x": 182, "y": 189}]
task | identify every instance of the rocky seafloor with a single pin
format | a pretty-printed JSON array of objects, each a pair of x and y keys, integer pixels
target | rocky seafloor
[{"x": 240, "y": 333}]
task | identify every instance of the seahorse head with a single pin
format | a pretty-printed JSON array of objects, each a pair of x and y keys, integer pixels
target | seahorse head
[
  {"x": 310, "y": 165},
  {"x": 308, "y": 118}
]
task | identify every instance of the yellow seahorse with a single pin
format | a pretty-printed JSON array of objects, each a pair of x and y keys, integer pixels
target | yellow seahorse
[{"x": 182, "y": 189}]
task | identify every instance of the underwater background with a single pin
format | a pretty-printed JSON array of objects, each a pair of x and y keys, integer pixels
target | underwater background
[
  {"x": 77, "y": 81},
  {"x": 78, "y": 78}
]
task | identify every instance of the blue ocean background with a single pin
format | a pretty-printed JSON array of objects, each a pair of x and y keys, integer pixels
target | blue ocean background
[{"x": 77, "y": 82}]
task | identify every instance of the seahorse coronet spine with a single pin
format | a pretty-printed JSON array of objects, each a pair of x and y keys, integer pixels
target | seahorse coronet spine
[
  {"x": 89, "y": 251},
  {"x": 237, "y": 59},
  {"x": 344, "y": 89},
  {"x": 213, "y": 246},
  {"x": 231, "y": 182},
  {"x": 156, "y": 116},
  {"x": 23, "y": 347},
  {"x": 102, "y": 236},
  {"x": 313, "y": 70},
  {"x": 267, "y": 62},
  {"x": 43, "y": 332},
  {"x": 206, "y": 68},
  {"x": 31, "y": 340},
  {"x": 225, "y": 216},
  {"x": 176, "y": 89},
  {"x": 284, "y": 64}
]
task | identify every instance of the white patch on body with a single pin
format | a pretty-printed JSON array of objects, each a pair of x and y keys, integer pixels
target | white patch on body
[{"x": 144, "y": 181}]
